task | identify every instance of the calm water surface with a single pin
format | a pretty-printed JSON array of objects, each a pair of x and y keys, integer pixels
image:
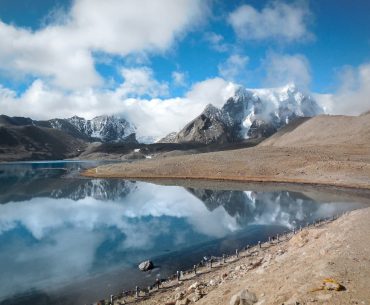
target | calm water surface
[{"x": 66, "y": 240}]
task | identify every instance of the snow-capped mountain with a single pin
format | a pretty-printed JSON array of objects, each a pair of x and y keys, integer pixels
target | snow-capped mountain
[
  {"x": 105, "y": 128},
  {"x": 271, "y": 109},
  {"x": 249, "y": 113}
]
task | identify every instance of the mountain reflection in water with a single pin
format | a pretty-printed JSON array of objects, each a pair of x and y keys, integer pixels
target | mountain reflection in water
[{"x": 68, "y": 240}]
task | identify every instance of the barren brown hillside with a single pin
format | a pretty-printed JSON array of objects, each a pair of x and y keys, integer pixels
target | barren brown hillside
[
  {"x": 330, "y": 150},
  {"x": 324, "y": 130}
]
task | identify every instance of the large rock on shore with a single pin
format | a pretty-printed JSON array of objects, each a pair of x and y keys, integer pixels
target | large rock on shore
[{"x": 146, "y": 265}]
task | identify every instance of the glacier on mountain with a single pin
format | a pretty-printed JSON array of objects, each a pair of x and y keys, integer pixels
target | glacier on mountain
[{"x": 272, "y": 108}]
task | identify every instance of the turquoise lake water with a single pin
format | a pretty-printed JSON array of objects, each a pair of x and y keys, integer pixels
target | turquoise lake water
[{"x": 69, "y": 240}]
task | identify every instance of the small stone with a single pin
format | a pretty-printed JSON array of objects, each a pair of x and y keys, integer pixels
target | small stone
[
  {"x": 331, "y": 284},
  {"x": 184, "y": 301},
  {"x": 196, "y": 298},
  {"x": 243, "y": 297},
  {"x": 179, "y": 296},
  {"x": 193, "y": 286},
  {"x": 235, "y": 299}
]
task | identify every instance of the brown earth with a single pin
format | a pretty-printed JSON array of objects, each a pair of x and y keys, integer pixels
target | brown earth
[
  {"x": 327, "y": 150},
  {"x": 292, "y": 271}
]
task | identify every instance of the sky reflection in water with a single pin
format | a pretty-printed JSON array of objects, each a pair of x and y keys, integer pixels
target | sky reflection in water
[{"x": 77, "y": 240}]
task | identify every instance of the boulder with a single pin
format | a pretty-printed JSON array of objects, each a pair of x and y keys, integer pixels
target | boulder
[
  {"x": 194, "y": 286},
  {"x": 146, "y": 265},
  {"x": 243, "y": 297},
  {"x": 184, "y": 301}
]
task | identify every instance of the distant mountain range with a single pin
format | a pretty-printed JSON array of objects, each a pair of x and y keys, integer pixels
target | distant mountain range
[
  {"x": 102, "y": 128},
  {"x": 27, "y": 139},
  {"x": 249, "y": 114}
]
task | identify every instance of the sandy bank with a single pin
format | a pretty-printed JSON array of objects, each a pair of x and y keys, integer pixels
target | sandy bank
[
  {"x": 337, "y": 165},
  {"x": 291, "y": 271}
]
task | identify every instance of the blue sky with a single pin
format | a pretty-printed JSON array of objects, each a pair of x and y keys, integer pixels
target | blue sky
[{"x": 116, "y": 50}]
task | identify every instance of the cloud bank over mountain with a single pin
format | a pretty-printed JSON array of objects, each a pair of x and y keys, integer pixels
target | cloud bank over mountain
[{"x": 159, "y": 64}]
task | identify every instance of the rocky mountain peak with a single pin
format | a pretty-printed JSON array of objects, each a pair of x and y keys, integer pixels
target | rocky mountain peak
[
  {"x": 249, "y": 113},
  {"x": 105, "y": 128}
]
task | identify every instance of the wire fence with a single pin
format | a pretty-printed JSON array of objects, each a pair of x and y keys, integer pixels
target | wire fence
[{"x": 136, "y": 295}]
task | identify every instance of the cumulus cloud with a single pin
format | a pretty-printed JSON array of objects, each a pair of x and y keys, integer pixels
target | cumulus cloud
[
  {"x": 353, "y": 93},
  {"x": 153, "y": 117},
  {"x": 140, "y": 82},
  {"x": 281, "y": 69},
  {"x": 278, "y": 20},
  {"x": 234, "y": 67},
  {"x": 215, "y": 91},
  {"x": 63, "y": 51}
]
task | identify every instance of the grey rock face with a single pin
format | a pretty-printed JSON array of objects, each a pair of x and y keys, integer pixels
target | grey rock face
[
  {"x": 105, "y": 128},
  {"x": 261, "y": 129},
  {"x": 170, "y": 138},
  {"x": 209, "y": 127}
]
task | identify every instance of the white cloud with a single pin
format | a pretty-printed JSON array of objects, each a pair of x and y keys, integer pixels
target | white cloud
[
  {"x": 215, "y": 91},
  {"x": 63, "y": 52},
  {"x": 140, "y": 82},
  {"x": 69, "y": 232},
  {"x": 278, "y": 20},
  {"x": 179, "y": 78},
  {"x": 234, "y": 67},
  {"x": 281, "y": 69},
  {"x": 50, "y": 53},
  {"x": 352, "y": 95},
  {"x": 153, "y": 117}
]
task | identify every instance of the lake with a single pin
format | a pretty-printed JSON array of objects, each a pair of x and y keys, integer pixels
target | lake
[{"x": 71, "y": 240}]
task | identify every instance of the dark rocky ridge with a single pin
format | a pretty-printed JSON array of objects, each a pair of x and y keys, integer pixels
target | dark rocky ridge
[
  {"x": 37, "y": 143},
  {"x": 26, "y": 139},
  {"x": 102, "y": 128},
  {"x": 209, "y": 127}
]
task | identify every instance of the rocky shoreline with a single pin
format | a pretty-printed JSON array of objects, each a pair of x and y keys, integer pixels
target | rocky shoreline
[{"x": 326, "y": 262}]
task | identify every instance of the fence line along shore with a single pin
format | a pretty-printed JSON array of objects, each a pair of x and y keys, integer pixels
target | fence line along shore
[{"x": 206, "y": 264}]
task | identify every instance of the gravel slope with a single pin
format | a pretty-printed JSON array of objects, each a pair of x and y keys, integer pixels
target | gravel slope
[{"x": 289, "y": 272}]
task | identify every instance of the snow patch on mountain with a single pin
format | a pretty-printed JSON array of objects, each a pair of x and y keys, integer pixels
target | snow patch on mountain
[
  {"x": 248, "y": 113},
  {"x": 105, "y": 128},
  {"x": 271, "y": 108}
]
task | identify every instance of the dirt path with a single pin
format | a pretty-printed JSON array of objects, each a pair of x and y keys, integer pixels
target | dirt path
[{"x": 289, "y": 272}]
